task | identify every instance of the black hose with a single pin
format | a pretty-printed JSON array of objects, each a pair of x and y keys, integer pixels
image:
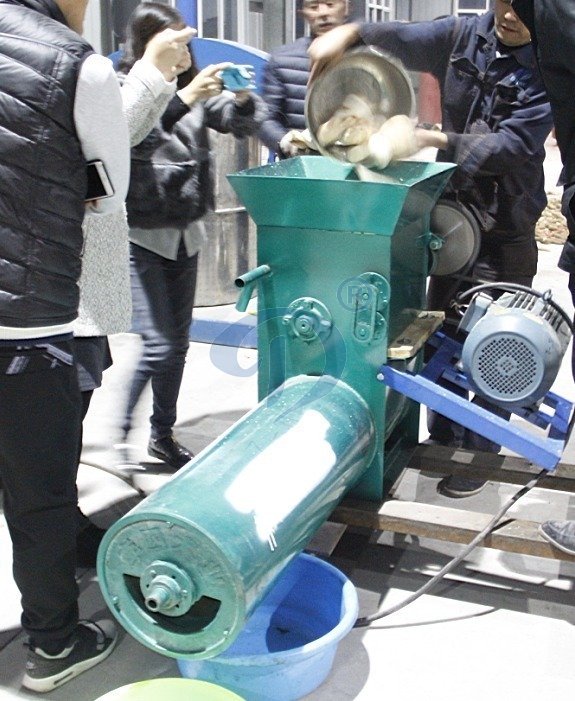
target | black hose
[
  {"x": 382, "y": 613},
  {"x": 127, "y": 479},
  {"x": 513, "y": 287}
]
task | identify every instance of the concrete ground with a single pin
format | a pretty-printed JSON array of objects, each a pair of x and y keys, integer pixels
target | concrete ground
[{"x": 499, "y": 627}]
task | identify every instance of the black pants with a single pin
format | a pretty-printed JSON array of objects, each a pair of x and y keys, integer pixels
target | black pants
[
  {"x": 567, "y": 259},
  {"x": 40, "y": 419}
]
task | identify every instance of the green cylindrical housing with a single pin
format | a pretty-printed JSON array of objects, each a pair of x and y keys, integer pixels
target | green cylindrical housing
[{"x": 183, "y": 569}]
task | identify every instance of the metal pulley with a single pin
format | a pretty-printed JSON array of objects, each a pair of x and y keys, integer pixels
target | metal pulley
[{"x": 455, "y": 238}]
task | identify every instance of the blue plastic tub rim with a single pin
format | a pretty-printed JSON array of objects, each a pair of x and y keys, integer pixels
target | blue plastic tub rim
[{"x": 349, "y": 605}]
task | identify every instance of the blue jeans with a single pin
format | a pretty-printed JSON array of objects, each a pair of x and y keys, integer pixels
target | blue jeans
[{"x": 162, "y": 305}]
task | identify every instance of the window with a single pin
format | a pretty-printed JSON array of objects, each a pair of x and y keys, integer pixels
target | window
[
  {"x": 208, "y": 24},
  {"x": 471, "y": 7},
  {"x": 240, "y": 21},
  {"x": 380, "y": 10},
  {"x": 253, "y": 31}
]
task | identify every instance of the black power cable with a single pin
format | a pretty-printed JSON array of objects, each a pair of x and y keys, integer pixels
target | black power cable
[
  {"x": 382, "y": 613},
  {"x": 513, "y": 287}
]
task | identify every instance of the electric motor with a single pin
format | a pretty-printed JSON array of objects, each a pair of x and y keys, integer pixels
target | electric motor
[{"x": 513, "y": 351}]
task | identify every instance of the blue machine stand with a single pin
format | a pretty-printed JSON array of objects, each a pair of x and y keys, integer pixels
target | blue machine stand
[{"x": 423, "y": 388}]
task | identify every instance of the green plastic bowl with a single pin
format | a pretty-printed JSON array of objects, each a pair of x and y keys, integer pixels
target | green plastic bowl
[{"x": 171, "y": 690}]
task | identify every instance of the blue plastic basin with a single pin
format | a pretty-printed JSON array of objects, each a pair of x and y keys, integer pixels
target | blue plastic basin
[{"x": 287, "y": 646}]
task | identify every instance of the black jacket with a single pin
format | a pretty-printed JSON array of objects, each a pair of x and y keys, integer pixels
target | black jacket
[
  {"x": 552, "y": 27},
  {"x": 496, "y": 115},
  {"x": 42, "y": 170},
  {"x": 284, "y": 90},
  {"x": 171, "y": 182}
]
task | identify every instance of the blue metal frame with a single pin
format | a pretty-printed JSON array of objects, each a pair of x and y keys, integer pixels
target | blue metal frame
[
  {"x": 241, "y": 334},
  {"x": 424, "y": 389},
  {"x": 189, "y": 11}
]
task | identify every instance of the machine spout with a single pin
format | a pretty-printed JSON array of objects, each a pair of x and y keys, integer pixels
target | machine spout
[
  {"x": 163, "y": 595},
  {"x": 246, "y": 284}
]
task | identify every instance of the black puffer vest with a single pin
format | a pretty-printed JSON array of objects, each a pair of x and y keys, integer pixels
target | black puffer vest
[{"x": 42, "y": 170}]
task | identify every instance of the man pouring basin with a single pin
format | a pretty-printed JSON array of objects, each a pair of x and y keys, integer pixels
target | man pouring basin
[{"x": 495, "y": 120}]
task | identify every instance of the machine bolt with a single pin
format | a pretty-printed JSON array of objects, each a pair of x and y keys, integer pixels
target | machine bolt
[
  {"x": 164, "y": 594},
  {"x": 305, "y": 326},
  {"x": 308, "y": 319},
  {"x": 167, "y": 589}
]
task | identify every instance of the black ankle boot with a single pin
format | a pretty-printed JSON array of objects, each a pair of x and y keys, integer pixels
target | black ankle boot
[{"x": 169, "y": 451}]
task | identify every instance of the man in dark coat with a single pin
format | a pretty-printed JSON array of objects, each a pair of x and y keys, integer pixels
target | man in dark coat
[
  {"x": 286, "y": 76},
  {"x": 495, "y": 120},
  {"x": 552, "y": 26}
]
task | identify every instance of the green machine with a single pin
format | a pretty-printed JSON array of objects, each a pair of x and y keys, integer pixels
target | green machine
[{"x": 340, "y": 277}]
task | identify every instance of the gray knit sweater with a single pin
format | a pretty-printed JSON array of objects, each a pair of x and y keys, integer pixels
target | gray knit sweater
[{"x": 105, "y": 297}]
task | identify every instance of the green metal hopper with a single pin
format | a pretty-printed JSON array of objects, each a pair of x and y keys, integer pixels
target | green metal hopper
[{"x": 348, "y": 261}]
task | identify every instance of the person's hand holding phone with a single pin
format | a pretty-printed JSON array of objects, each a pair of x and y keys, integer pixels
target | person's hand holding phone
[{"x": 206, "y": 84}]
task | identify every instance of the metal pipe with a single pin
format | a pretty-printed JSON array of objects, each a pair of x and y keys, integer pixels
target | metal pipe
[{"x": 246, "y": 284}]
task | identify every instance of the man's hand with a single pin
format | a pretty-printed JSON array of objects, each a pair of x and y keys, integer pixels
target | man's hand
[
  {"x": 287, "y": 145},
  {"x": 395, "y": 139},
  {"x": 296, "y": 143},
  {"x": 431, "y": 138},
  {"x": 330, "y": 46},
  {"x": 168, "y": 51}
]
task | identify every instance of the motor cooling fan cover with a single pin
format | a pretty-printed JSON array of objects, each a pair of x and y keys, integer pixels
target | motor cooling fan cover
[{"x": 511, "y": 358}]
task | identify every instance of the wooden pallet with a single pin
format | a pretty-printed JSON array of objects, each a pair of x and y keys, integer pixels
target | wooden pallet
[{"x": 457, "y": 525}]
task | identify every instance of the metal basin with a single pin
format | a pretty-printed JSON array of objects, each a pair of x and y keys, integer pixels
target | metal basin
[{"x": 366, "y": 72}]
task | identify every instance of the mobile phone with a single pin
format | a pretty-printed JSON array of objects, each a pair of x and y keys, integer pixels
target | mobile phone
[
  {"x": 238, "y": 77},
  {"x": 99, "y": 185}
]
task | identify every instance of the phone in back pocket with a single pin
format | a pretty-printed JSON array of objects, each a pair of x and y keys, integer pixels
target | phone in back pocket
[{"x": 99, "y": 185}]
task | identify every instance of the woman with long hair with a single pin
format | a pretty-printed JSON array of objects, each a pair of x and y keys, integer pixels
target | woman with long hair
[{"x": 171, "y": 188}]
